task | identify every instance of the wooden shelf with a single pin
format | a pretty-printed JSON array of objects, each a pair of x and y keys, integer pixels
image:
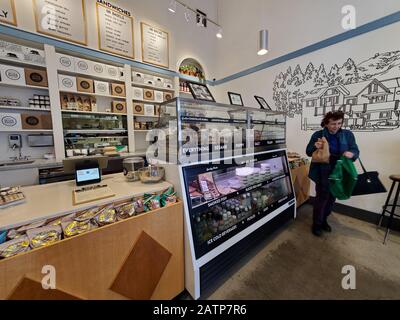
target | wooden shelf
[
  {"x": 146, "y": 86},
  {"x": 94, "y": 112},
  {"x": 24, "y": 108},
  {"x": 22, "y": 63},
  {"x": 85, "y": 75},
  {"x": 92, "y": 94},
  {"x": 147, "y": 101},
  {"x": 23, "y": 86}
]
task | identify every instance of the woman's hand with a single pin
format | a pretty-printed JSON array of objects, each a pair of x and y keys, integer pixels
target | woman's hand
[
  {"x": 319, "y": 144},
  {"x": 349, "y": 155}
]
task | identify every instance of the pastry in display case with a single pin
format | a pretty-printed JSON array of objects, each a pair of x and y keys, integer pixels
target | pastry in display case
[{"x": 224, "y": 199}]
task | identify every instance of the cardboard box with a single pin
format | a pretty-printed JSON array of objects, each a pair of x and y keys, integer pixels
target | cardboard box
[
  {"x": 168, "y": 96},
  {"x": 112, "y": 72},
  {"x": 118, "y": 89},
  {"x": 148, "y": 94},
  {"x": 83, "y": 66},
  {"x": 46, "y": 121},
  {"x": 149, "y": 109},
  {"x": 31, "y": 121},
  {"x": 138, "y": 77},
  {"x": 138, "y": 108},
  {"x": 85, "y": 85},
  {"x": 12, "y": 75},
  {"x": 67, "y": 83},
  {"x": 102, "y": 87},
  {"x": 158, "y": 96},
  {"x": 10, "y": 121},
  {"x": 121, "y": 72},
  {"x": 137, "y": 93},
  {"x": 119, "y": 107},
  {"x": 36, "y": 77},
  {"x": 98, "y": 70},
  {"x": 65, "y": 62}
]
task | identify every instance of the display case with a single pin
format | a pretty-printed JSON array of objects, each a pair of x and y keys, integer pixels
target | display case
[
  {"x": 195, "y": 127},
  {"x": 224, "y": 199}
]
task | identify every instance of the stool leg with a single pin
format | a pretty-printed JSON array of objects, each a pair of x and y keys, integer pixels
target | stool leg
[
  {"x": 386, "y": 204},
  {"x": 396, "y": 198}
]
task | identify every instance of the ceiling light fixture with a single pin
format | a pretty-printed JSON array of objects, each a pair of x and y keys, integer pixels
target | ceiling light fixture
[
  {"x": 187, "y": 15},
  {"x": 172, "y": 6},
  {"x": 263, "y": 43},
  {"x": 219, "y": 33}
]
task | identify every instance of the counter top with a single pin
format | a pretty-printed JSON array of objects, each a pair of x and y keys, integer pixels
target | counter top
[
  {"x": 55, "y": 200},
  {"x": 43, "y": 163}
]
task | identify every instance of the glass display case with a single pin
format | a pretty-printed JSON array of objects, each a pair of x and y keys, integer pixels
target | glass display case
[
  {"x": 224, "y": 199},
  {"x": 90, "y": 134},
  {"x": 199, "y": 127}
]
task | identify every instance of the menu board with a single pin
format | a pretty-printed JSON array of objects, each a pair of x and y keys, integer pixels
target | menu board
[
  {"x": 7, "y": 12},
  {"x": 63, "y": 19},
  {"x": 155, "y": 48},
  {"x": 115, "y": 29}
]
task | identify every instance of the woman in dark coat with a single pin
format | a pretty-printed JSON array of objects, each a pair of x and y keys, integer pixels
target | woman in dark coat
[{"x": 341, "y": 142}]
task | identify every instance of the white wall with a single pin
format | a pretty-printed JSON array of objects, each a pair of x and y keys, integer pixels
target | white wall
[{"x": 294, "y": 25}]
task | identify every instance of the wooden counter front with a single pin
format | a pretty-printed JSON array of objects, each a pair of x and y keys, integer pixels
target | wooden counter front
[{"x": 138, "y": 258}]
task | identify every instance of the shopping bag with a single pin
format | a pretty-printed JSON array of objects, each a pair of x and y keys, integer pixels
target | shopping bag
[
  {"x": 368, "y": 183},
  {"x": 321, "y": 155},
  {"x": 343, "y": 179}
]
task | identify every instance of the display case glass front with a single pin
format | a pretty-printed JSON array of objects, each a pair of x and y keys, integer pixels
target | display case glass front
[
  {"x": 224, "y": 199},
  {"x": 207, "y": 127}
]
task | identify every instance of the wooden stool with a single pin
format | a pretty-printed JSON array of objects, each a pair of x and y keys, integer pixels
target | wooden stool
[{"x": 396, "y": 179}]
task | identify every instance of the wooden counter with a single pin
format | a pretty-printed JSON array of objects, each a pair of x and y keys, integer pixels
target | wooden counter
[
  {"x": 141, "y": 257},
  {"x": 55, "y": 199}
]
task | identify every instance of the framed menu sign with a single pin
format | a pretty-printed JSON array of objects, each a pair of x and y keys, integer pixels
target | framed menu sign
[
  {"x": 7, "y": 12},
  {"x": 63, "y": 19},
  {"x": 115, "y": 29},
  {"x": 155, "y": 46}
]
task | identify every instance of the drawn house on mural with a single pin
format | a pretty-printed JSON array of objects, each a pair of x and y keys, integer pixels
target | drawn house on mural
[{"x": 368, "y": 106}]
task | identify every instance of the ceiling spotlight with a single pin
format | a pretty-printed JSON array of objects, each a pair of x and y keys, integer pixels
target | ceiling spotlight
[
  {"x": 219, "y": 33},
  {"x": 263, "y": 43},
  {"x": 187, "y": 15},
  {"x": 172, "y": 6}
]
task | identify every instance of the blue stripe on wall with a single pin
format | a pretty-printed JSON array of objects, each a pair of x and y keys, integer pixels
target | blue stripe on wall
[{"x": 371, "y": 26}]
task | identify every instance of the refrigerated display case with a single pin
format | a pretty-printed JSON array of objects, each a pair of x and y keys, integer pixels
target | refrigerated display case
[
  {"x": 202, "y": 127},
  {"x": 226, "y": 202}
]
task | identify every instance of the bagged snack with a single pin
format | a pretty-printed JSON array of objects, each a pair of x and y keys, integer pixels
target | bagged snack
[
  {"x": 154, "y": 203},
  {"x": 44, "y": 236},
  {"x": 14, "y": 247},
  {"x": 86, "y": 215},
  {"x": 138, "y": 205},
  {"x": 74, "y": 228},
  {"x": 31, "y": 226},
  {"x": 14, "y": 234},
  {"x": 106, "y": 216},
  {"x": 54, "y": 222},
  {"x": 168, "y": 197},
  {"x": 125, "y": 210}
]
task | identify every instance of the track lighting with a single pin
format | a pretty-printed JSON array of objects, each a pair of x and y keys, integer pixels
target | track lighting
[
  {"x": 263, "y": 43},
  {"x": 172, "y": 6}
]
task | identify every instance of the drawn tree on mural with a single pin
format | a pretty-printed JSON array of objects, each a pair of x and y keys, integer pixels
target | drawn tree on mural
[{"x": 290, "y": 87}]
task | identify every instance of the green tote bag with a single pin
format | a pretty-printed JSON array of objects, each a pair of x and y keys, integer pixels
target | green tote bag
[{"x": 343, "y": 179}]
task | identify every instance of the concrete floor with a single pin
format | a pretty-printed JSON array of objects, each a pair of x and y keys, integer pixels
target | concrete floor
[{"x": 294, "y": 264}]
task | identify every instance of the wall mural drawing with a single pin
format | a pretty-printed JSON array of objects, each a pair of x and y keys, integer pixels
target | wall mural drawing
[{"x": 368, "y": 93}]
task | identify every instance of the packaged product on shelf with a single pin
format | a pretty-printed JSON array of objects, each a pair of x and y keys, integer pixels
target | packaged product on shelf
[
  {"x": 34, "y": 225},
  {"x": 101, "y": 87},
  {"x": 151, "y": 202},
  {"x": 14, "y": 234},
  {"x": 65, "y": 62},
  {"x": 125, "y": 210},
  {"x": 74, "y": 228},
  {"x": 12, "y": 75},
  {"x": 14, "y": 247},
  {"x": 98, "y": 70},
  {"x": 79, "y": 103},
  {"x": 137, "y": 93},
  {"x": 67, "y": 83},
  {"x": 93, "y": 104},
  {"x": 82, "y": 65},
  {"x": 118, "y": 89},
  {"x": 72, "y": 105},
  {"x": 138, "y": 205},
  {"x": 86, "y": 215},
  {"x": 85, "y": 85},
  {"x": 138, "y": 77},
  {"x": 44, "y": 236},
  {"x": 158, "y": 96},
  {"x": 168, "y": 197},
  {"x": 54, "y": 222},
  {"x": 87, "y": 105},
  {"x": 106, "y": 216},
  {"x": 36, "y": 77}
]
